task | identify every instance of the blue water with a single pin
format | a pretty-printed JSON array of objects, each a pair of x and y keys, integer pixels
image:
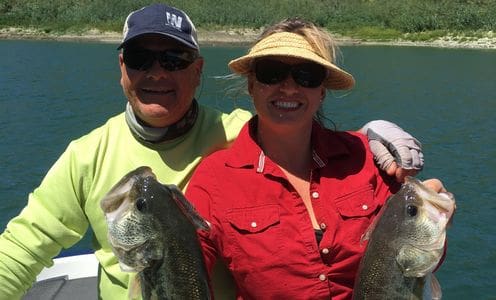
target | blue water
[{"x": 52, "y": 92}]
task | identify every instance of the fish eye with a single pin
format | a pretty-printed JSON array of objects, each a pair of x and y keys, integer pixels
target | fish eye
[
  {"x": 411, "y": 210},
  {"x": 141, "y": 204}
]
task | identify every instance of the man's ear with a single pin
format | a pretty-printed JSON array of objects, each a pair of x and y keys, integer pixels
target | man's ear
[
  {"x": 121, "y": 60},
  {"x": 199, "y": 69}
]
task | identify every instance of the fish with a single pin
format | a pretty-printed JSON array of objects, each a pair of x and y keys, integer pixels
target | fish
[
  {"x": 405, "y": 244},
  {"x": 152, "y": 229}
]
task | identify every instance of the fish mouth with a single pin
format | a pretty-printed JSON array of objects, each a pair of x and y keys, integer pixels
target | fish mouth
[
  {"x": 447, "y": 204},
  {"x": 131, "y": 258},
  {"x": 441, "y": 208},
  {"x": 442, "y": 205}
]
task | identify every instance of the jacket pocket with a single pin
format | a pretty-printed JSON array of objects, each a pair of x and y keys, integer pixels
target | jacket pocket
[
  {"x": 357, "y": 210},
  {"x": 359, "y": 203},
  {"x": 255, "y": 219},
  {"x": 255, "y": 232}
]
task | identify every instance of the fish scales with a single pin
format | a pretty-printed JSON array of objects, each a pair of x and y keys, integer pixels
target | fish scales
[{"x": 152, "y": 230}]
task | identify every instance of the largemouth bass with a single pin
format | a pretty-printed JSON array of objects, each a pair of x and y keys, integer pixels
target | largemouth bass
[
  {"x": 152, "y": 230},
  {"x": 405, "y": 245}
]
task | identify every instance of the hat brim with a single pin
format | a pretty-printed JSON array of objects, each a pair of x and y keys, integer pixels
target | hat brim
[{"x": 165, "y": 35}]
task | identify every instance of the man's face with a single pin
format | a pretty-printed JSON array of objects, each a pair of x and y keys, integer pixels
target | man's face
[{"x": 160, "y": 97}]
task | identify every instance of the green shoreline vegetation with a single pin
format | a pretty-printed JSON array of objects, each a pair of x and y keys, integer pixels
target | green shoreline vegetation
[{"x": 364, "y": 20}]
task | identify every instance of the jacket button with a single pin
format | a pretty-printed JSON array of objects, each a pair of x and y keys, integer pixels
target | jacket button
[
  {"x": 315, "y": 195},
  {"x": 325, "y": 251},
  {"x": 253, "y": 224},
  {"x": 365, "y": 207},
  {"x": 323, "y": 226},
  {"x": 322, "y": 277}
]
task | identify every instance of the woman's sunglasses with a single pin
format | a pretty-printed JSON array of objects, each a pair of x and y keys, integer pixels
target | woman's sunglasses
[
  {"x": 171, "y": 60},
  {"x": 308, "y": 75}
]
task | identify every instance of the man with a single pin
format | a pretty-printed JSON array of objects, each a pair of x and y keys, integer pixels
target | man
[{"x": 163, "y": 126}]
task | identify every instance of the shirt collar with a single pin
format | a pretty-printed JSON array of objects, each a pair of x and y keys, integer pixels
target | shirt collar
[
  {"x": 157, "y": 135},
  {"x": 246, "y": 153},
  {"x": 327, "y": 145}
]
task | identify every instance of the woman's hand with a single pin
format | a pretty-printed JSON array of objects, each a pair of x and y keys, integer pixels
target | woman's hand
[{"x": 395, "y": 150}]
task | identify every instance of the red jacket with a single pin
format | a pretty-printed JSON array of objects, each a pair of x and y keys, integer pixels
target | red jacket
[{"x": 261, "y": 228}]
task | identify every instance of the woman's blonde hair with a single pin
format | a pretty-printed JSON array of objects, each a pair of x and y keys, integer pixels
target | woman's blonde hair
[{"x": 320, "y": 38}]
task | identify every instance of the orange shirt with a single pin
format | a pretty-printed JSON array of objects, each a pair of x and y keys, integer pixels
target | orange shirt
[{"x": 261, "y": 228}]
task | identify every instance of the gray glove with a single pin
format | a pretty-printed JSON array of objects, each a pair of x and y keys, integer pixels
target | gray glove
[{"x": 389, "y": 143}]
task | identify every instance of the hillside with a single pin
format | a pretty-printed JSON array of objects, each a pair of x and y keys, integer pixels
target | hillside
[{"x": 451, "y": 23}]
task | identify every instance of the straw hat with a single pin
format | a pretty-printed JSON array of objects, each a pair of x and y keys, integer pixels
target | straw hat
[{"x": 294, "y": 45}]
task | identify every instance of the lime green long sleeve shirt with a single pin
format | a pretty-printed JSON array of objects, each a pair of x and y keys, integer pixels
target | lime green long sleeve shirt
[{"x": 67, "y": 201}]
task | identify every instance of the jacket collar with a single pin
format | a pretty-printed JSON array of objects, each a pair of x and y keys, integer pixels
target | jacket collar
[{"x": 246, "y": 153}]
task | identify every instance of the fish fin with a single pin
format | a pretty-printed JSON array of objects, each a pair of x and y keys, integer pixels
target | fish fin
[
  {"x": 368, "y": 232},
  {"x": 126, "y": 268},
  {"x": 416, "y": 262},
  {"x": 188, "y": 209},
  {"x": 436, "y": 291},
  {"x": 134, "y": 287}
]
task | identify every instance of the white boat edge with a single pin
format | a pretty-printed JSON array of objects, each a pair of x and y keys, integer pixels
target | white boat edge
[
  {"x": 73, "y": 277},
  {"x": 71, "y": 267}
]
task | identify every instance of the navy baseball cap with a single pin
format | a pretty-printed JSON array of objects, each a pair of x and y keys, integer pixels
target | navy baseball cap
[{"x": 160, "y": 19}]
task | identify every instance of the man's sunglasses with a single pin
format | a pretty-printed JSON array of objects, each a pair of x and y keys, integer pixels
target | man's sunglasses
[
  {"x": 171, "y": 60},
  {"x": 308, "y": 75}
]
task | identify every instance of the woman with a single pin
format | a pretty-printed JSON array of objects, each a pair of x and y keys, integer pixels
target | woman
[{"x": 289, "y": 201}]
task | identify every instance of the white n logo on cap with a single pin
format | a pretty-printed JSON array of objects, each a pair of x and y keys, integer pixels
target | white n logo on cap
[{"x": 174, "y": 20}]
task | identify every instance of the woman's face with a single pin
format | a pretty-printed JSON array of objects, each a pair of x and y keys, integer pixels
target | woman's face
[{"x": 284, "y": 100}]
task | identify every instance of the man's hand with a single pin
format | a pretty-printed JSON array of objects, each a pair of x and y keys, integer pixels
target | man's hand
[
  {"x": 395, "y": 151},
  {"x": 437, "y": 186}
]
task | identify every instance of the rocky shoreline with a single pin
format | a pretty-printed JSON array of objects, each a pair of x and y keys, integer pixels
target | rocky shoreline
[{"x": 245, "y": 37}]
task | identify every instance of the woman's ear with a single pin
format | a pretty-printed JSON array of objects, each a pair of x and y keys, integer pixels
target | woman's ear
[{"x": 250, "y": 84}]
